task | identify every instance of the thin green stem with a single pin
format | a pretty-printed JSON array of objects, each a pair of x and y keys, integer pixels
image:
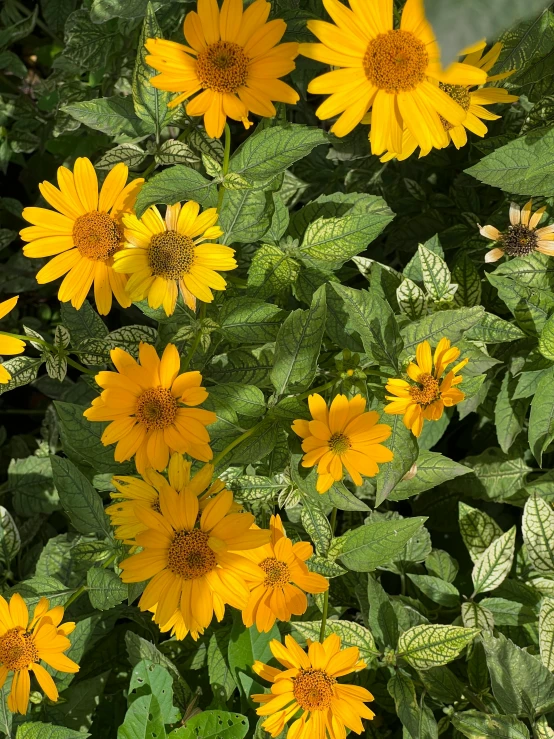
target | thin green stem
[
  {"x": 235, "y": 443},
  {"x": 80, "y": 367},
  {"x": 196, "y": 341},
  {"x": 50, "y": 347},
  {"x": 319, "y": 389},
  {"x": 332, "y": 524},
  {"x": 225, "y": 167},
  {"x": 84, "y": 588}
]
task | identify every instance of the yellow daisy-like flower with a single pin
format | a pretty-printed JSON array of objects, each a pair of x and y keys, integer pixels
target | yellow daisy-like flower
[
  {"x": 287, "y": 577},
  {"x": 8, "y": 344},
  {"x": 164, "y": 257},
  {"x": 132, "y": 493},
  {"x": 427, "y": 399},
  {"x": 25, "y": 643},
  {"x": 309, "y": 684},
  {"x": 342, "y": 435},
  {"x": 234, "y": 57},
  {"x": 522, "y": 237},
  {"x": 193, "y": 559},
  {"x": 84, "y": 233},
  {"x": 472, "y": 101},
  {"x": 144, "y": 401},
  {"x": 395, "y": 72}
]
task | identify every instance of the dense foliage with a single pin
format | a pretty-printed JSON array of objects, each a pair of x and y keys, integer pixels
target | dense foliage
[{"x": 312, "y": 430}]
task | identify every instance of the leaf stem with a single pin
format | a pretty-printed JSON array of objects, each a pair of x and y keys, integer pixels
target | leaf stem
[
  {"x": 196, "y": 341},
  {"x": 84, "y": 588},
  {"x": 235, "y": 443},
  {"x": 319, "y": 389},
  {"x": 332, "y": 523},
  {"x": 51, "y": 348},
  {"x": 225, "y": 167}
]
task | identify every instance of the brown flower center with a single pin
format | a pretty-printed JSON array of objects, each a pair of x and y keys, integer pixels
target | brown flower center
[
  {"x": 458, "y": 93},
  {"x": 97, "y": 236},
  {"x": 189, "y": 555},
  {"x": 17, "y": 649},
  {"x": 339, "y": 443},
  {"x": 156, "y": 408},
  {"x": 313, "y": 689},
  {"x": 156, "y": 506},
  {"x": 170, "y": 255},
  {"x": 427, "y": 392},
  {"x": 519, "y": 241},
  {"x": 276, "y": 572},
  {"x": 222, "y": 67},
  {"x": 396, "y": 61}
]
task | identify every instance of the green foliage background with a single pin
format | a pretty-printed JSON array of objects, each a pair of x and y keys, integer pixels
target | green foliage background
[{"x": 443, "y": 579}]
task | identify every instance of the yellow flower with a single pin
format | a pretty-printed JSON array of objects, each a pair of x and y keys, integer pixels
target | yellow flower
[
  {"x": 342, "y": 435},
  {"x": 8, "y": 345},
  {"x": 24, "y": 644},
  {"x": 522, "y": 237},
  {"x": 234, "y": 57},
  {"x": 84, "y": 234},
  {"x": 395, "y": 72},
  {"x": 281, "y": 594},
  {"x": 132, "y": 493},
  {"x": 309, "y": 684},
  {"x": 164, "y": 257},
  {"x": 472, "y": 101},
  {"x": 427, "y": 399},
  {"x": 144, "y": 401},
  {"x": 193, "y": 561}
]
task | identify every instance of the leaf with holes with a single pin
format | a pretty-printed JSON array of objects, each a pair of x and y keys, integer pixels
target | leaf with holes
[{"x": 213, "y": 725}]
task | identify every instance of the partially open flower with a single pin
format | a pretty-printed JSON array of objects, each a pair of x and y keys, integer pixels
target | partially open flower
[{"x": 522, "y": 237}]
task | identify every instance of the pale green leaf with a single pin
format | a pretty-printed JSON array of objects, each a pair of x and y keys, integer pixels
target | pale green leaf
[
  {"x": 431, "y": 645},
  {"x": 494, "y": 564},
  {"x": 376, "y": 543},
  {"x": 478, "y": 530},
  {"x": 538, "y": 533}
]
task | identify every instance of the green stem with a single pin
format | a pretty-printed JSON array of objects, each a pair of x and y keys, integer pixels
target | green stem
[
  {"x": 84, "y": 588},
  {"x": 319, "y": 389},
  {"x": 80, "y": 367},
  {"x": 51, "y": 348},
  {"x": 235, "y": 443},
  {"x": 225, "y": 167},
  {"x": 332, "y": 524},
  {"x": 194, "y": 345}
]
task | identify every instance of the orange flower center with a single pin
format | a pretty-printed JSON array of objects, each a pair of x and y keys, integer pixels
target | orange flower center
[
  {"x": 339, "y": 443},
  {"x": 313, "y": 689},
  {"x": 276, "y": 572},
  {"x": 519, "y": 241},
  {"x": 427, "y": 392},
  {"x": 458, "y": 93},
  {"x": 17, "y": 649},
  {"x": 97, "y": 236},
  {"x": 396, "y": 61},
  {"x": 222, "y": 67},
  {"x": 170, "y": 255},
  {"x": 156, "y": 408},
  {"x": 189, "y": 555}
]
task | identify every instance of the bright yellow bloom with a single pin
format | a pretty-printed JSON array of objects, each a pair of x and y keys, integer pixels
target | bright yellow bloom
[
  {"x": 234, "y": 57},
  {"x": 281, "y": 594},
  {"x": 8, "y": 345},
  {"x": 522, "y": 237},
  {"x": 132, "y": 493},
  {"x": 342, "y": 435},
  {"x": 84, "y": 234},
  {"x": 427, "y": 399},
  {"x": 395, "y": 72},
  {"x": 164, "y": 257},
  {"x": 24, "y": 644},
  {"x": 472, "y": 101},
  {"x": 144, "y": 401},
  {"x": 193, "y": 561},
  {"x": 309, "y": 684}
]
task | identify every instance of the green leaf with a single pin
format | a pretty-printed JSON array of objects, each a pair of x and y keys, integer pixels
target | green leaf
[
  {"x": 541, "y": 419},
  {"x": 478, "y": 530},
  {"x": 476, "y": 616},
  {"x": 23, "y": 370},
  {"x": 32, "y": 487},
  {"x": 38, "y": 587},
  {"x": 270, "y": 151},
  {"x": 417, "y": 718},
  {"x": 213, "y": 725},
  {"x": 431, "y": 645},
  {"x": 403, "y": 445},
  {"x": 494, "y": 564},
  {"x": 82, "y": 324},
  {"x": 451, "y": 324},
  {"x": 466, "y": 276},
  {"x": 258, "y": 445},
  {"x": 174, "y": 185},
  {"x": 316, "y": 524},
  {"x": 297, "y": 346},
  {"x": 538, "y": 533},
  {"x": 546, "y": 339},
  {"x": 10, "y": 540},
  {"x": 143, "y": 720},
  {"x": 494, "y": 330},
  {"x": 40, "y": 730},
  {"x": 382, "y": 619},
  {"x": 439, "y": 591},
  {"x": 499, "y": 475},
  {"x": 104, "y": 10},
  {"x": 247, "y": 646},
  {"x": 79, "y": 499},
  {"x": 442, "y": 565},
  {"x": 411, "y": 299},
  {"x": 340, "y": 497},
  {"x": 245, "y": 400},
  {"x": 520, "y": 682},
  {"x": 148, "y": 675},
  {"x": 436, "y": 275},
  {"x": 105, "y": 588},
  {"x": 531, "y": 306},
  {"x": 174, "y": 151},
  {"x": 376, "y": 543},
  {"x": 509, "y": 413},
  {"x": 89, "y": 45},
  {"x": 245, "y": 215},
  {"x": 250, "y": 321},
  {"x": 114, "y": 115},
  {"x": 374, "y": 320},
  {"x": 432, "y": 469},
  {"x": 222, "y": 681},
  {"x": 351, "y": 634},
  {"x": 271, "y": 272},
  {"x": 546, "y": 633},
  {"x": 476, "y": 725}
]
